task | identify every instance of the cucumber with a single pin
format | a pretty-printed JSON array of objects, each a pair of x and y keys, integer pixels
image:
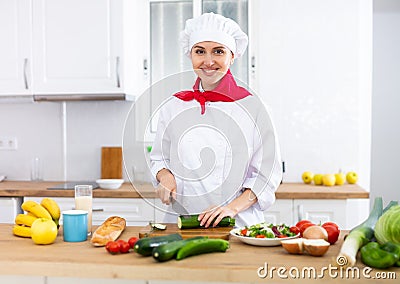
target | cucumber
[
  {"x": 200, "y": 246},
  {"x": 190, "y": 221},
  {"x": 168, "y": 251},
  {"x": 145, "y": 246}
]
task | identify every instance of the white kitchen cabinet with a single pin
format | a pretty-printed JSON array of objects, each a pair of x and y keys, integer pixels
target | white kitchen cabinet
[
  {"x": 15, "y": 47},
  {"x": 290, "y": 211},
  {"x": 136, "y": 211},
  {"x": 77, "y": 46},
  {"x": 9, "y": 208}
]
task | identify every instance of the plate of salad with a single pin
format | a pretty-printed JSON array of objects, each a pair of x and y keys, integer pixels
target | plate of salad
[{"x": 265, "y": 234}]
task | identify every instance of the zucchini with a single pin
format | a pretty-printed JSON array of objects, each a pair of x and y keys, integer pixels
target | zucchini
[
  {"x": 145, "y": 246},
  {"x": 200, "y": 246},
  {"x": 191, "y": 221},
  {"x": 168, "y": 251}
]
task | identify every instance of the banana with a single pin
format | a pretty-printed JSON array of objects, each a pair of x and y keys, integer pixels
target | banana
[
  {"x": 35, "y": 208},
  {"x": 50, "y": 205},
  {"x": 22, "y": 231},
  {"x": 31, "y": 214},
  {"x": 24, "y": 219}
]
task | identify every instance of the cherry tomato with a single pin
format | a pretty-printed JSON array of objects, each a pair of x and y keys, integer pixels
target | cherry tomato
[
  {"x": 124, "y": 247},
  {"x": 243, "y": 232},
  {"x": 112, "y": 247},
  {"x": 333, "y": 233},
  {"x": 260, "y": 236},
  {"x": 298, "y": 224},
  {"x": 294, "y": 230},
  {"x": 132, "y": 241}
]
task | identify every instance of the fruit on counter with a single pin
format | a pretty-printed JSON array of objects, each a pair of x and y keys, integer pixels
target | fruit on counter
[
  {"x": 191, "y": 221},
  {"x": 52, "y": 207},
  {"x": 304, "y": 226},
  {"x": 318, "y": 179},
  {"x": 44, "y": 231},
  {"x": 124, "y": 246},
  {"x": 293, "y": 246},
  {"x": 340, "y": 178},
  {"x": 25, "y": 219},
  {"x": 132, "y": 241},
  {"x": 315, "y": 247},
  {"x": 328, "y": 179},
  {"x": 307, "y": 177},
  {"x": 170, "y": 250},
  {"x": 112, "y": 247},
  {"x": 333, "y": 231},
  {"x": 361, "y": 234},
  {"x": 351, "y": 177},
  {"x": 36, "y": 209},
  {"x": 145, "y": 246},
  {"x": 22, "y": 231},
  {"x": 200, "y": 246},
  {"x": 315, "y": 232}
]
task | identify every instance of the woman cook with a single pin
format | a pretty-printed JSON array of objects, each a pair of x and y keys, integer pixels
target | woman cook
[{"x": 215, "y": 151}]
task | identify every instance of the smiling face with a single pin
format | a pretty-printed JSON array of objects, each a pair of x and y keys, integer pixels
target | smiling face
[{"x": 210, "y": 61}]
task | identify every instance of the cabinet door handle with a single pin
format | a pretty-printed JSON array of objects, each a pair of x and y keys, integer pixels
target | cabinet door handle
[
  {"x": 253, "y": 65},
  {"x": 97, "y": 210},
  {"x": 145, "y": 67},
  {"x": 25, "y": 75},
  {"x": 300, "y": 212},
  {"x": 117, "y": 71}
]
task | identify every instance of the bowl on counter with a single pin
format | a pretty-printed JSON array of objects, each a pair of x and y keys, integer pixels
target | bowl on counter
[{"x": 110, "y": 183}]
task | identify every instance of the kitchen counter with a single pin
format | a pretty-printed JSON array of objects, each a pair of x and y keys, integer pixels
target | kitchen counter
[
  {"x": 19, "y": 256},
  {"x": 127, "y": 190}
]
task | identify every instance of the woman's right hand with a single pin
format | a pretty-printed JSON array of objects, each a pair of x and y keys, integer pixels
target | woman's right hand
[{"x": 167, "y": 187}]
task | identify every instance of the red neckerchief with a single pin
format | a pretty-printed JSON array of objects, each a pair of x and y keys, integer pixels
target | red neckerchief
[{"x": 226, "y": 91}]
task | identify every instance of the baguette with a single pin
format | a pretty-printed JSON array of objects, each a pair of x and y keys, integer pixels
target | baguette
[{"x": 110, "y": 230}]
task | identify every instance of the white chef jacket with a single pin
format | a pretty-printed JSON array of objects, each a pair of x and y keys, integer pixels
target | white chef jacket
[{"x": 215, "y": 156}]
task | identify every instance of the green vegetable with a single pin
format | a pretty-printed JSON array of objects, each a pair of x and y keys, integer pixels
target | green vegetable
[
  {"x": 393, "y": 248},
  {"x": 200, "y": 246},
  {"x": 168, "y": 251},
  {"x": 373, "y": 255},
  {"x": 388, "y": 226},
  {"x": 145, "y": 246},
  {"x": 191, "y": 221},
  {"x": 361, "y": 234}
]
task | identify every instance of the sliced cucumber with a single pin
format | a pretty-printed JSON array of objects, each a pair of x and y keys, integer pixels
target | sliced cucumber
[{"x": 158, "y": 226}]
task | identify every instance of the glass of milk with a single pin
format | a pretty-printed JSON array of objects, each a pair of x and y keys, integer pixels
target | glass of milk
[{"x": 83, "y": 201}]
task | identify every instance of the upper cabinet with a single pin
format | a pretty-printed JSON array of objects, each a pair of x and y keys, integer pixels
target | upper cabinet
[
  {"x": 77, "y": 46},
  {"x": 15, "y": 47},
  {"x": 69, "y": 47}
]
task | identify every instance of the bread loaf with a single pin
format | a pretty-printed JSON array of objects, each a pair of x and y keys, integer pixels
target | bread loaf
[{"x": 110, "y": 230}]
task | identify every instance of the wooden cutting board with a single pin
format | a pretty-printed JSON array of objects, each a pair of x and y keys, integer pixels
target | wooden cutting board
[
  {"x": 212, "y": 233},
  {"x": 111, "y": 163}
]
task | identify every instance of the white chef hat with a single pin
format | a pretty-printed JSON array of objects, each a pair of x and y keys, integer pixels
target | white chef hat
[{"x": 217, "y": 28}]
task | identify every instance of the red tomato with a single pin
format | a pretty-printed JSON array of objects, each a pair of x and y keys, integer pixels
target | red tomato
[
  {"x": 124, "y": 247},
  {"x": 333, "y": 233},
  {"x": 112, "y": 247},
  {"x": 260, "y": 236},
  {"x": 243, "y": 232},
  {"x": 282, "y": 236},
  {"x": 132, "y": 241},
  {"x": 300, "y": 223},
  {"x": 294, "y": 229},
  {"x": 304, "y": 227},
  {"x": 331, "y": 223}
]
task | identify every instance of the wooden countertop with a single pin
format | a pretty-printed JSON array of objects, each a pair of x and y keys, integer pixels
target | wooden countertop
[
  {"x": 127, "y": 190},
  {"x": 20, "y": 256}
]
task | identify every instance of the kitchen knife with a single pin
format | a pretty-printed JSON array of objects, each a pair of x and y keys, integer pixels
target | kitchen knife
[{"x": 178, "y": 208}]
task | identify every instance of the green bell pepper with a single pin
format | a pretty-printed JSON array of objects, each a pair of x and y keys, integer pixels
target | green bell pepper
[
  {"x": 393, "y": 248},
  {"x": 377, "y": 256}
]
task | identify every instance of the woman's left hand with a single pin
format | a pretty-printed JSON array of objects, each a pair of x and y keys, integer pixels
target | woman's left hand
[{"x": 216, "y": 213}]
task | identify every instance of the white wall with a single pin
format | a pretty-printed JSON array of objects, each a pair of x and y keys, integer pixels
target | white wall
[
  {"x": 386, "y": 101},
  {"x": 314, "y": 66}
]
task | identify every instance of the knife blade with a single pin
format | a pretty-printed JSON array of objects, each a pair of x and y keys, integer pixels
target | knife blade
[{"x": 178, "y": 208}]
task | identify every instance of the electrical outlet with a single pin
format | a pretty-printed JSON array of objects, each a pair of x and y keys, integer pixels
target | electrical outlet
[{"x": 8, "y": 143}]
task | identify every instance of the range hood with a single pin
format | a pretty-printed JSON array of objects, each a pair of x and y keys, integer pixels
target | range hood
[{"x": 82, "y": 97}]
